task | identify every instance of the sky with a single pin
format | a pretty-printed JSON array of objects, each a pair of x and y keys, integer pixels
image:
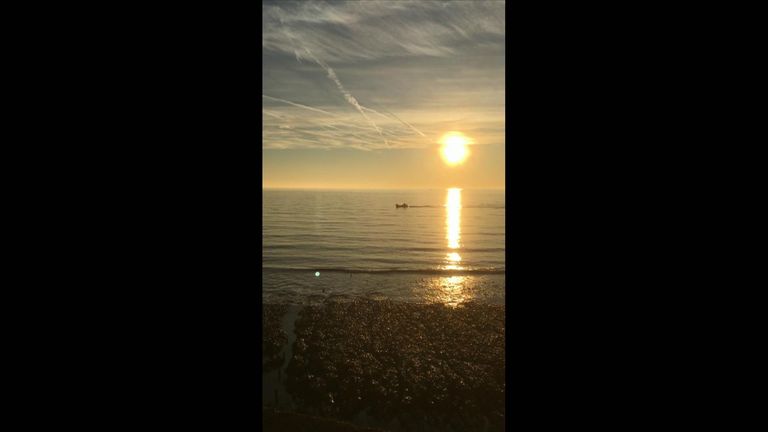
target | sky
[{"x": 358, "y": 94}]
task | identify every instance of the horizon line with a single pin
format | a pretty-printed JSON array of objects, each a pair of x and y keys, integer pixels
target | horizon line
[{"x": 378, "y": 188}]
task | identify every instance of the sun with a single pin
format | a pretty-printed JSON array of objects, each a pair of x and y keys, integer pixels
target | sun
[{"x": 454, "y": 150}]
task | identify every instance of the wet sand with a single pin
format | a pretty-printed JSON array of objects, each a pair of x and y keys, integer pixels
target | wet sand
[{"x": 388, "y": 365}]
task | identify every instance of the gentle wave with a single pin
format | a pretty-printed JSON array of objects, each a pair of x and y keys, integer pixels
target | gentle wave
[
  {"x": 388, "y": 271},
  {"x": 341, "y": 209},
  {"x": 364, "y": 246},
  {"x": 372, "y": 249}
]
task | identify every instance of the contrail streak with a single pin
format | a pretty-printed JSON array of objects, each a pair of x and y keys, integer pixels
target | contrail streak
[
  {"x": 406, "y": 123},
  {"x": 376, "y": 112},
  {"x": 320, "y": 134},
  {"x": 347, "y": 95},
  {"x": 298, "y": 105},
  {"x": 397, "y": 118},
  {"x": 273, "y": 114}
]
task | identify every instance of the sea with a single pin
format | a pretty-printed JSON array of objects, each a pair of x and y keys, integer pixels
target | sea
[{"x": 447, "y": 246}]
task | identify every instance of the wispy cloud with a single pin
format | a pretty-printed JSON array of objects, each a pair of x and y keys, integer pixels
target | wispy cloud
[
  {"x": 409, "y": 69},
  {"x": 366, "y": 30}
]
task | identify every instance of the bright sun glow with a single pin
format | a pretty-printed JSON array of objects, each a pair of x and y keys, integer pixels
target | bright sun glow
[{"x": 454, "y": 148}]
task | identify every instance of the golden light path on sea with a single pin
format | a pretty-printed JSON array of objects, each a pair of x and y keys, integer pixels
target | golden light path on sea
[
  {"x": 450, "y": 289},
  {"x": 453, "y": 220}
]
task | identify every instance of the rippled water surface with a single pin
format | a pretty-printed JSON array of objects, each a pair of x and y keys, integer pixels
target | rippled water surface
[{"x": 447, "y": 247}]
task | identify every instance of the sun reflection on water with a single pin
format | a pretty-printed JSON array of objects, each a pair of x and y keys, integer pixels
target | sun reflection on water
[
  {"x": 453, "y": 217},
  {"x": 451, "y": 290}
]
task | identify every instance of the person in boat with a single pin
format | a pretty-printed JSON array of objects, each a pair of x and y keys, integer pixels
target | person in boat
[{"x": 403, "y": 205}]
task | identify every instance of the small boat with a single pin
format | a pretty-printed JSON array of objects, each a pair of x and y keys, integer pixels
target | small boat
[{"x": 403, "y": 205}]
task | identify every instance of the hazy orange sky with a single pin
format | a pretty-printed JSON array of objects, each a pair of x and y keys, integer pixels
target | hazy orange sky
[{"x": 358, "y": 94}]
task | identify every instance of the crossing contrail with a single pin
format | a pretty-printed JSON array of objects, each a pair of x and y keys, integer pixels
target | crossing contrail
[
  {"x": 269, "y": 113},
  {"x": 396, "y": 117},
  {"x": 405, "y": 123},
  {"x": 347, "y": 95},
  {"x": 298, "y": 105}
]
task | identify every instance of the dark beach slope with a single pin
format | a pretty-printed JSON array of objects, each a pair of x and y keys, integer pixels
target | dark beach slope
[
  {"x": 276, "y": 421},
  {"x": 273, "y": 338},
  {"x": 387, "y": 365}
]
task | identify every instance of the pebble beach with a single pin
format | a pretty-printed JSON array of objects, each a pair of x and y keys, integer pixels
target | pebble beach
[{"x": 384, "y": 365}]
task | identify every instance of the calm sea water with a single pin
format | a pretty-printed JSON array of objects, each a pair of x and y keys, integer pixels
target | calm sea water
[{"x": 447, "y": 247}]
